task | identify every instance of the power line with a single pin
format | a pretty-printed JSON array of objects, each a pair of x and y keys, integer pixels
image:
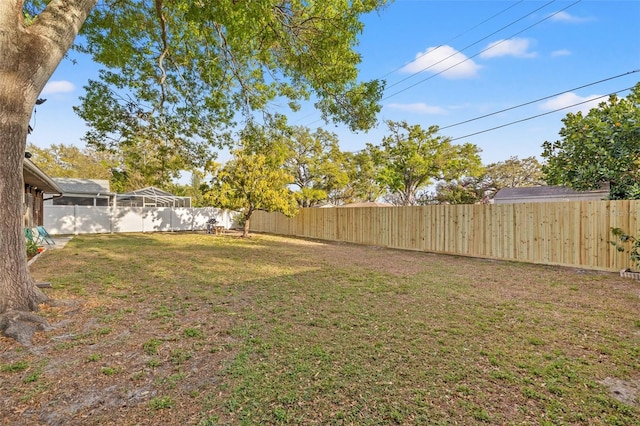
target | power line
[
  {"x": 482, "y": 51},
  {"x": 539, "y": 99},
  {"x": 488, "y": 48},
  {"x": 464, "y": 48},
  {"x": 447, "y": 42},
  {"x": 539, "y": 115},
  {"x": 455, "y": 38}
]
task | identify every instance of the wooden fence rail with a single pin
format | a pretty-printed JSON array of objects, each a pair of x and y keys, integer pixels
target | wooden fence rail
[{"x": 574, "y": 234}]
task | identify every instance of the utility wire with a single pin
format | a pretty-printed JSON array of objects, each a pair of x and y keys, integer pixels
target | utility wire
[
  {"x": 464, "y": 48},
  {"x": 539, "y": 115},
  {"x": 539, "y": 99},
  {"x": 455, "y": 38},
  {"x": 482, "y": 51},
  {"x": 444, "y": 44}
]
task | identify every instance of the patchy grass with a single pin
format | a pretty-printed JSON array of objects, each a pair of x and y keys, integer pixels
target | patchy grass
[{"x": 205, "y": 330}]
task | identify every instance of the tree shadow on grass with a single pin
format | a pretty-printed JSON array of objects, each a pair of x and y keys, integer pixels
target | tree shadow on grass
[{"x": 267, "y": 328}]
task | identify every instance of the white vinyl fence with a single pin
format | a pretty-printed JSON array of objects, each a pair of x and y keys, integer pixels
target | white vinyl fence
[{"x": 68, "y": 220}]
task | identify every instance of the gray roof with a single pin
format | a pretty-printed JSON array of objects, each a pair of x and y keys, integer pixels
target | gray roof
[
  {"x": 155, "y": 195},
  {"x": 84, "y": 186},
  {"x": 150, "y": 191},
  {"x": 548, "y": 192},
  {"x": 367, "y": 204}
]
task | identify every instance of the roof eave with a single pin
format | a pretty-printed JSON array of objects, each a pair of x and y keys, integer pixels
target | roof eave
[{"x": 39, "y": 179}]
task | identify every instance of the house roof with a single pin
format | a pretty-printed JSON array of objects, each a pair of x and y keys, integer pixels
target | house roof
[
  {"x": 84, "y": 186},
  {"x": 155, "y": 194},
  {"x": 561, "y": 192},
  {"x": 325, "y": 206},
  {"x": 35, "y": 177},
  {"x": 150, "y": 191},
  {"x": 367, "y": 204}
]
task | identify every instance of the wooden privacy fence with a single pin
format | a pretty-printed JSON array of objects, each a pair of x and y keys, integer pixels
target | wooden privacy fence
[{"x": 574, "y": 234}]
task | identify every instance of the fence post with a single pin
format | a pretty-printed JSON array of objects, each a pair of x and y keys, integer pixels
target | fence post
[{"x": 75, "y": 219}]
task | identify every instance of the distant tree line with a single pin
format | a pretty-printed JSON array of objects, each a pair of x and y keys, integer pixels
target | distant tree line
[
  {"x": 277, "y": 167},
  {"x": 296, "y": 167}
]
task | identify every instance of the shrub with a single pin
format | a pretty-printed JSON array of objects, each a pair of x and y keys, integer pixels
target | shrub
[
  {"x": 622, "y": 239},
  {"x": 32, "y": 248}
]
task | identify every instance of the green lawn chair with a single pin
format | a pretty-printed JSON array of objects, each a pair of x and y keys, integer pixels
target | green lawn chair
[
  {"x": 31, "y": 236},
  {"x": 44, "y": 235}
]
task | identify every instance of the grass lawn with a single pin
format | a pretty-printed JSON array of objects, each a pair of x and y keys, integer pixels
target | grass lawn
[{"x": 196, "y": 329}]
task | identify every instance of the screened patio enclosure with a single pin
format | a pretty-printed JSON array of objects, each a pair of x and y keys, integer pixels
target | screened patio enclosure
[{"x": 151, "y": 197}]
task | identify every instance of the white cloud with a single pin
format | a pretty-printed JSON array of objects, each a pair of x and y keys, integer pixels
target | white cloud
[
  {"x": 443, "y": 60},
  {"x": 565, "y": 17},
  {"x": 61, "y": 86},
  {"x": 518, "y": 47},
  {"x": 568, "y": 99},
  {"x": 561, "y": 52},
  {"x": 419, "y": 108}
]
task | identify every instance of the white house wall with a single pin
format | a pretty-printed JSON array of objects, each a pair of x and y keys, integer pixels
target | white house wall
[{"x": 67, "y": 220}]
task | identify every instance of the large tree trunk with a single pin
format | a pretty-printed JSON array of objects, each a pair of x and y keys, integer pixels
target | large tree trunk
[
  {"x": 28, "y": 58},
  {"x": 17, "y": 290},
  {"x": 246, "y": 226}
]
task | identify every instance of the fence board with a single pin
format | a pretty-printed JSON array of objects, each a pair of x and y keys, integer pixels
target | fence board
[{"x": 563, "y": 233}]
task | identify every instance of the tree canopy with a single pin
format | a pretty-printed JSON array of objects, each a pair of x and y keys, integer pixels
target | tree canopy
[
  {"x": 511, "y": 173},
  {"x": 177, "y": 77},
  {"x": 514, "y": 172},
  {"x": 602, "y": 146},
  {"x": 411, "y": 158},
  {"x": 361, "y": 184},
  {"x": 70, "y": 161},
  {"x": 315, "y": 161},
  {"x": 180, "y": 76},
  {"x": 253, "y": 181},
  {"x": 468, "y": 190}
]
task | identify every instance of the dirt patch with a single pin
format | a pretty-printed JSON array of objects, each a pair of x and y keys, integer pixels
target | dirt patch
[
  {"x": 96, "y": 367},
  {"x": 623, "y": 391}
]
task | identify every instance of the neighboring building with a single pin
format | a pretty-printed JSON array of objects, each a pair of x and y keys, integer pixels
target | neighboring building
[
  {"x": 36, "y": 184},
  {"x": 83, "y": 192},
  {"x": 545, "y": 194},
  {"x": 97, "y": 192},
  {"x": 325, "y": 205},
  {"x": 152, "y": 197},
  {"x": 367, "y": 204}
]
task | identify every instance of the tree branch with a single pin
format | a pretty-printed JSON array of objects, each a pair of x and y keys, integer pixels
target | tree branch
[
  {"x": 165, "y": 49},
  {"x": 51, "y": 35}
]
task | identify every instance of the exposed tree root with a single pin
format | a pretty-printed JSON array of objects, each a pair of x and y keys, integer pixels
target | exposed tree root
[
  {"x": 21, "y": 325},
  {"x": 62, "y": 303}
]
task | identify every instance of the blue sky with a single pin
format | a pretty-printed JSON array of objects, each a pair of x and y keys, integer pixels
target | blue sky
[{"x": 446, "y": 62}]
